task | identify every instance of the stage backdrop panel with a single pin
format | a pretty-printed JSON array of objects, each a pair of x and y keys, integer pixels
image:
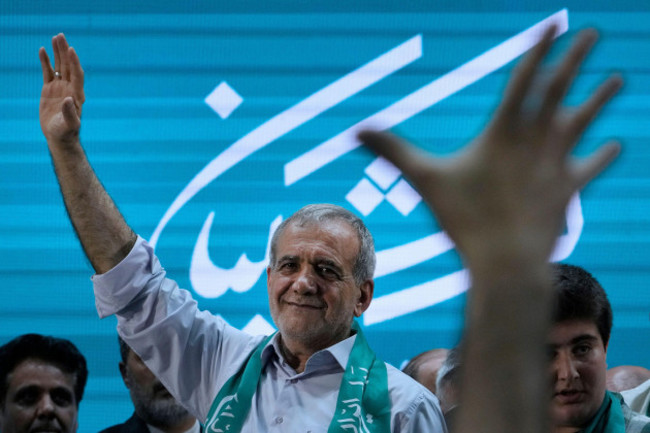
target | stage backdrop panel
[{"x": 209, "y": 124}]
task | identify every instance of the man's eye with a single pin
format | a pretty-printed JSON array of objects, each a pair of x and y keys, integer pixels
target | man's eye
[
  {"x": 27, "y": 398},
  {"x": 61, "y": 397},
  {"x": 327, "y": 271},
  {"x": 288, "y": 266},
  {"x": 551, "y": 353},
  {"x": 582, "y": 349}
]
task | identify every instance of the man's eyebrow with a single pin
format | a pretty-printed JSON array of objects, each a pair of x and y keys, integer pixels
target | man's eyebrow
[
  {"x": 26, "y": 387},
  {"x": 584, "y": 338},
  {"x": 287, "y": 258}
]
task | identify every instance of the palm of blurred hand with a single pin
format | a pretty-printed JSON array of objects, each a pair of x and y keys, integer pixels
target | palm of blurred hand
[{"x": 508, "y": 189}]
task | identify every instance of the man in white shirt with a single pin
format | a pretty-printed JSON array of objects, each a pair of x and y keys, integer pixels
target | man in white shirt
[{"x": 317, "y": 371}]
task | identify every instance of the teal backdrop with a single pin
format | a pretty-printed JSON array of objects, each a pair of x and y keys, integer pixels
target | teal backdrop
[{"x": 208, "y": 122}]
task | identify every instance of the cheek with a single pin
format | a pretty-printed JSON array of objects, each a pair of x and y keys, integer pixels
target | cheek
[
  {"x": 277, "y": 286},
  {"x": 144, "y": 377},
  {"x": 18, "y": 417},
  {"x": 68, "y": 416},
  {"x": 595, "y": 374}
]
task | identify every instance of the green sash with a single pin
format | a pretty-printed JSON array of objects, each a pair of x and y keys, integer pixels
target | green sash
[
  {"x": 609, "y": 418},
  {"x": 363, "y": 404}
]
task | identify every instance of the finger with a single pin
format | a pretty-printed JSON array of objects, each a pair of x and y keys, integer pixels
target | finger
[
  {"x": 57, "y": 56},
  {"x": 565, "y": 73},
  {"x": 70, "y": 113},
  {"x": 76, "y": 74},
  {"x": 588, "y": 111},
  {"x": 590, "y": 167},
  {"x": 65, "y": 64},
  {"x": 524, "y": 74},
  {"x": 46, "y": 66},
  {"x": 403, "y": 155}
]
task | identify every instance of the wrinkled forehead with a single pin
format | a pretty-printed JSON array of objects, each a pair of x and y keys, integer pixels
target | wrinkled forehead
[{"x": 334, "y": 235}]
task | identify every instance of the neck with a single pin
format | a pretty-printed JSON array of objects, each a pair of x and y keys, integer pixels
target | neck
[{"x": 296, "y": 354}]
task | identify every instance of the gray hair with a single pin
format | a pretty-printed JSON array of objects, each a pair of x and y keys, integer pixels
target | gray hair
[
  {"x": 364, "y": 266},
  {"x": 447, "y": 381}
]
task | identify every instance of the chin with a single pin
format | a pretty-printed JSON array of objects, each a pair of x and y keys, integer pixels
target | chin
[{"x": 571, "y": 418}]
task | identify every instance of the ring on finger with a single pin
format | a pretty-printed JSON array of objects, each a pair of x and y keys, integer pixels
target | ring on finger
[{"x": 57, "y": 74}]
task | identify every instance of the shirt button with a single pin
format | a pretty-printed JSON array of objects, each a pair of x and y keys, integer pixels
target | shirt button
[{"x": 279, "y": 420}]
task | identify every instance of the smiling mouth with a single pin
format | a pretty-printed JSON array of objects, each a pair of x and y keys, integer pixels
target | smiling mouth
[{"x": 307, "y": 306}]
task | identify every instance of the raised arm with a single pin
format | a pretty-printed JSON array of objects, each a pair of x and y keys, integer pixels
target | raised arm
[
  {"x": 104, "y": 235},
  {"x": 502, "y": 200}
]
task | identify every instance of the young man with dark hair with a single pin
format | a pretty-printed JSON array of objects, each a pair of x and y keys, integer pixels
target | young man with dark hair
[
  {"x": 42, "y": 381},
  {"x": 578, "y": 347}
]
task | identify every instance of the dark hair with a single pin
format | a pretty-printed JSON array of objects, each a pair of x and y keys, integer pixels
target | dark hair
[
  {"x": 56, "y": 351},
  {"x": 581, "y": 297},
  {"x": 364, "y": 266}
]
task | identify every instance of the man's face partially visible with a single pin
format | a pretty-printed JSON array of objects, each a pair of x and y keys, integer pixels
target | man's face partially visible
[
  {"x": 40, "y": 398},
  {"x": 152, "y": 402},
  {"x": 579, "y": 369},
  {"x": 313, "y": 296}
]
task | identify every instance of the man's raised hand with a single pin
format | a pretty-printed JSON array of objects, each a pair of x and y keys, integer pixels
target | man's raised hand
[{"x": 63, "y": 93}]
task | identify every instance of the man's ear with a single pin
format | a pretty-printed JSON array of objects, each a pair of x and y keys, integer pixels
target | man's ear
[
  {"x": 366, "y": 290},
  {"x": 125, "y": 377}
]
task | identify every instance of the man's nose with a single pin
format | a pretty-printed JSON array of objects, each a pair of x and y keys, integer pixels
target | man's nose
[
  {"x": 305, "y": 282},
  {"x": 565, "y": 368},
  {"x": 45, "y": 406}
]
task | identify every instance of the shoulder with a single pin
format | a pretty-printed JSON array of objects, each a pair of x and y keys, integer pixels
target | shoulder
[
  {"x": 404, "y": 389},
  {"x": 634, "y": 421},
  {"x": 638, "y": 398},
  {"x": 413, "y": 407}
]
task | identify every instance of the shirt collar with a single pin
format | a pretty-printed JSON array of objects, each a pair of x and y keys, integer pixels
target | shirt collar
[{"x": 339, "y": 351}]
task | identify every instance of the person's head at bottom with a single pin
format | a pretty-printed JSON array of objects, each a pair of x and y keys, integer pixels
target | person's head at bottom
[
  {"x": 578, "y": 348},
  {"x": 42, "y": 381},
  {"x": 151, "y": 400}
]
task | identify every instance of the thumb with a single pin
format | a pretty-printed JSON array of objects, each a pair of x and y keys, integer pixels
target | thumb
[
  {"x": 70, "y": 113},
  {"x": 406, "y": 157}
]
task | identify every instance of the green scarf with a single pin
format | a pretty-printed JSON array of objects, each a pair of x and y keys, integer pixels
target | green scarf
[
  {"x": 363, "y": 404},
  {"x": 609, "y": 418}
]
